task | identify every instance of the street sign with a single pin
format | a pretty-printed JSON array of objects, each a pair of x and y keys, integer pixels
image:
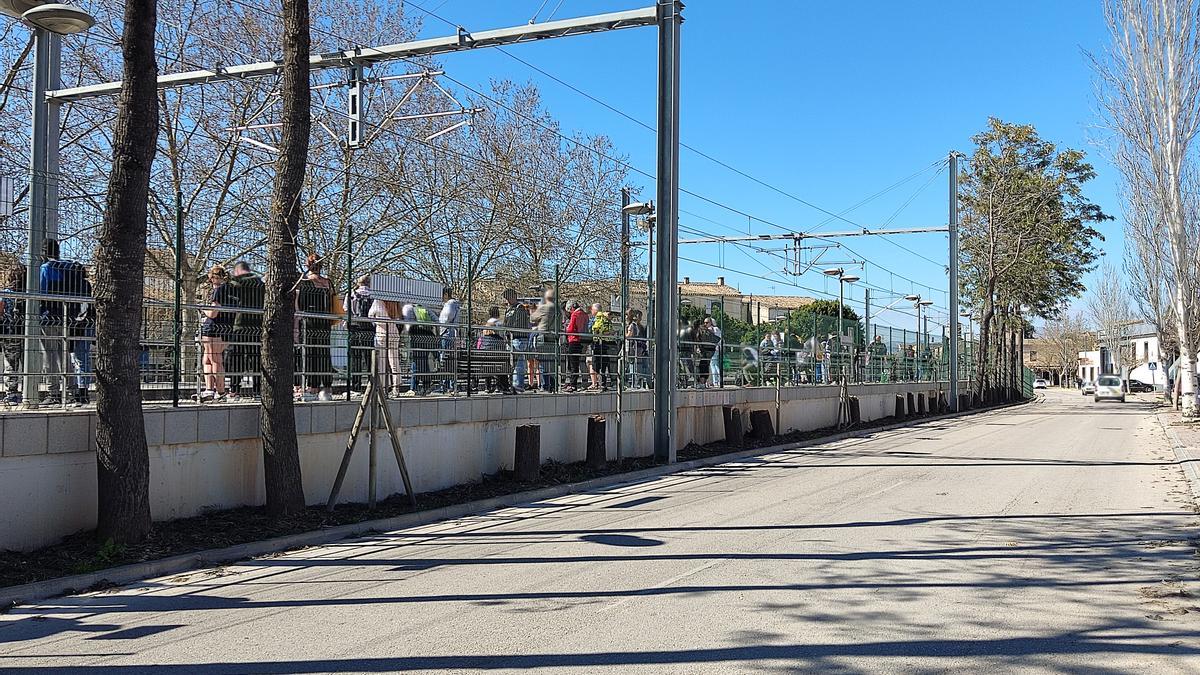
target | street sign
[{"x": 1152, "y": 365}]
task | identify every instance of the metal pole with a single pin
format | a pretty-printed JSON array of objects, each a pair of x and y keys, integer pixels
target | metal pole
[
  {"x": 177, "y": 361},
  {"x": 43, "y": 191},
  {"x": 666, "y": 352},
  {"x": 954, "y": 281},
  {"x": 841, "y": 300},
  {"x": 917, "y": 346},
  {"x": 556, "y": 386},
  {"x": 470, "y": 318},
  {"x": 349, "y": 272},
  {"x": 623, "y": 361}
]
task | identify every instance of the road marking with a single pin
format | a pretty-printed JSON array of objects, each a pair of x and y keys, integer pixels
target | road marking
[
  {"x": 879, "y": 492},
  {"x": 662, "y": 584}
]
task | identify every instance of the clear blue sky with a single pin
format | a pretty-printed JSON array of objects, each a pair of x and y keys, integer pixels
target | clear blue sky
[{"x": 831, "y": 102}]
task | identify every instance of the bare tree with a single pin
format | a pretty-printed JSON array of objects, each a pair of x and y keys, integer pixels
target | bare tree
[
  {"x": 281, "y": 455},
  {"x": 1065, "y": 337},
  {"x": 123, "y": 473},
  {"x": 1150, "y": 92},
  {"x": 1108, "y": 308}
]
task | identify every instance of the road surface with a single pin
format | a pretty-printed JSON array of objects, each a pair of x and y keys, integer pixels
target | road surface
[{"x": 1048, "y": 538}]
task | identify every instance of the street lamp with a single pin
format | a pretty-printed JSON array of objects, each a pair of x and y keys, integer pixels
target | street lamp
[
  {"x": 839, "y": 273},
  {"x": 50, "y": 21}
]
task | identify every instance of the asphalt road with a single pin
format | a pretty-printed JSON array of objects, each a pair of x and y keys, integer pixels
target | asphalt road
[{"x": 1048, "y": 538}]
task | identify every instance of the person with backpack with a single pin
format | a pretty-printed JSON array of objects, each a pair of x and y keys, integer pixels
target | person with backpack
[
  {"x": 422, "y": 342},
  {"x": 244, "y": 352},
  {"x": 360, "y": 332},
  {"x": 314, "y": 296},
  {"x": 61, "y": 320},
  {"x": 603, "y": 347},
  {"x": 517, "y": 323}
]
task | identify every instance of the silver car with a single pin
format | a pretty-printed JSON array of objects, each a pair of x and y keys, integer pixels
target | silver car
[
  {"x": 1108, "y": 387},
  {"x": 1088, "y": 388}
]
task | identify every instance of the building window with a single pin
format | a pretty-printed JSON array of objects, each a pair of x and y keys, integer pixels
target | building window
[{"x": 1146, "y": 350}]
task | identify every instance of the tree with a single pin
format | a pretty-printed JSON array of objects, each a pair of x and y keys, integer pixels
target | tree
[
  {"x": 1026, "y": 234},
  {"x": 1064, "y": 338},
  {"x": 1108, "y": 305},
  {"x": 281, "y": 455},
  {"x": 1150, "y": 94},
  {"x": 123, "y": 465}
]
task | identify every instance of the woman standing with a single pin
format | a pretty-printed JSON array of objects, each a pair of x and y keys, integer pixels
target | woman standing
[
  {"x": 214, "y": 333},
  {"x": 314, "y": 295},
  {"x": 387, "y": 343}
]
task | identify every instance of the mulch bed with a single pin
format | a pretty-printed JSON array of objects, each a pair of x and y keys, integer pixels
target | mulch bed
[{"x": 81, "y": 553}]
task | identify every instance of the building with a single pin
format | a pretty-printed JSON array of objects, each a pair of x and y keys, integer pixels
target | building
[
  {"x": 767, "y": 308},
  {"x": 710, "y": 294},
  {"x": 1140, "y": 358}
]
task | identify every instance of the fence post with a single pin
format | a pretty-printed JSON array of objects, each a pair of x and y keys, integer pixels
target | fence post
[{"x": 177, "y": 361}]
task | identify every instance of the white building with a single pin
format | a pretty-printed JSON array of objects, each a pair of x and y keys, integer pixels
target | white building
[{"x": 1139, "y": 356}]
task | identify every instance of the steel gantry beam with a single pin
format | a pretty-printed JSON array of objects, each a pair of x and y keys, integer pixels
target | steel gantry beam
[
  {"x": 796, "y": 236},
  {"x": 462, "y": 41}
]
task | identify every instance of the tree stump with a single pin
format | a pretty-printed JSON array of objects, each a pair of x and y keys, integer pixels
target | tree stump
[
  {"x": 735, "y": 429},
  {"x": 912, "y": 403},
  {"x": 855, "y": 410},
  {"x": 597, "y": 453},
  {"x": 901, "y": 411},
  {"x": 761, "y": 426},
  {"x": 527, "y": 458},
  {"x": 922, "y": 407}
]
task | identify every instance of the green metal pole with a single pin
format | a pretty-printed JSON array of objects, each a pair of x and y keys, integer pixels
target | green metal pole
[{"x": 177, "y": 361}]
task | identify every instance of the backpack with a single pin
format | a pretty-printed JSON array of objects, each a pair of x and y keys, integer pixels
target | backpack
[
  {"x": 602, "y": 325},
  {"x": 422, "y": 314},
  {"x": 360, "y": 307},
  {"x": 250, "y": 291}
]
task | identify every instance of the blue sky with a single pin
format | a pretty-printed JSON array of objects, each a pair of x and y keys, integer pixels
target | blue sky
[{"x": 831, "y": 102}]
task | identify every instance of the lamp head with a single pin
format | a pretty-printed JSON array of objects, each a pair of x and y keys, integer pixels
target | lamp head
[
  {"x": 850, "y": 278},
  {"x": 913, "y": 298},
  {"x": 638, "y": 209},
  {"x": 15, "y": 8},
  {"x": 59, "y": 18},
  {"x": 834, "y": 272},
  {"x": 925, "y": 303}
]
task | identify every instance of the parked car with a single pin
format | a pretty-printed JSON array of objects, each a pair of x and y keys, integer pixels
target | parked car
[
  {"x": 1139, "y": 386},
  {"x": 1087, "y": 388},
  {"x": 1040, "y": 384},
  {"x": 1108, "y": 387}
]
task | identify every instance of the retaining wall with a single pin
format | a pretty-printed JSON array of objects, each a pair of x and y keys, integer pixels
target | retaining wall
[{"x": 210, "y": 457}]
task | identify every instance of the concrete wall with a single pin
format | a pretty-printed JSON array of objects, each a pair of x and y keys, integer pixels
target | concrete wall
[{"x": 204, "y": 458}]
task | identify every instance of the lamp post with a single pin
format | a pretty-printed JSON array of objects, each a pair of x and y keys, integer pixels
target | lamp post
[
  {"x": 969, "y": 343},
  {"x": 920, "y": 304},
  {"x": 843, "y": 279},
  {"x": 50, "y": 21}
]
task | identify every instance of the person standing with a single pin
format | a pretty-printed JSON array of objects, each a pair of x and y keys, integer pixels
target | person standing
[
  {"x": 215, "y": 332},
  {"x": 576, "y": 330},
  {"x": 245, "y": 351},
  {"x": 12, "y": 323},
  {"x": 448, "y": 340},
  {"x": 58, "y": 319},
  {"x": 876, "y": 356},
  {"x": 601, "y": 330},
  {"x": 516, "y": 321},
  {"x": 422, "y": 344},
  {"x": 719, "y": 350},
  {"x": 360, "y": 333},
  {"x": 387, "y": 343},
  {"x": 545, "y": 318},
  {"x": 314, "y": 296},
  {"x": 637, "y": 349}
]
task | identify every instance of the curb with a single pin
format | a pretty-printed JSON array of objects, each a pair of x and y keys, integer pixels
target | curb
[
  {"x": 125, "y": 574},
  {"x": 1187, "y": 456}
]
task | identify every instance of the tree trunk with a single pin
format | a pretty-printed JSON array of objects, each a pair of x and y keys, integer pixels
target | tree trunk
[
  {"x": 1185, "y": 376},
  {"x": 122, "y": 458},
  {"x": 281, "y": 457}
]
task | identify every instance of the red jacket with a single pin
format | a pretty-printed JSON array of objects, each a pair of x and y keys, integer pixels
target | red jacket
[{"x": 576, "y": 326}]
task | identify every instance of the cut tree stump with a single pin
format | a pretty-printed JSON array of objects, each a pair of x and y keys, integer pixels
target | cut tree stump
[
  {"x": 911, "y": 403},
  {"x": 901, "y": 410},
  {"x": 855, "y": 410},
  {"x": 922, "y": 407},
  {"x": 761, "y": 426},
  {"x": 597, "y": 453},
  {"x": 527, "y": 459},
  {"x": 735, "y": 427}
]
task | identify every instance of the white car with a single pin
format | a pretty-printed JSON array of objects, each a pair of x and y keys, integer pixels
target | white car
[
  {"x": 1040, "y": 384},
  {"x": 1088, "y": 388},
  {"x": 1109, "y": 387}
]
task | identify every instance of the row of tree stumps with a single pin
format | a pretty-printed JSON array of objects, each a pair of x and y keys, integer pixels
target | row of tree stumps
[{"x": 527, "y": 454}]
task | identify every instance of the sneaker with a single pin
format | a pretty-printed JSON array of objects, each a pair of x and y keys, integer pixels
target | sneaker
[
  {"x": 206, "y": 396},
  {"x": 53, "y": 398},
  {"x": 14, "y": 398},
  {"x": 325, "y": 395}
]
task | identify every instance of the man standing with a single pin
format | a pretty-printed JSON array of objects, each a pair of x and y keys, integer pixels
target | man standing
[
  {"x": 876, "y": 355},
  {"x": 60, "y": 320},
  {"x": 545, "y": 321},
  {"x": 245, "y": 352},
  {"x": 12, "y": 323},
  {"x": 516, "y": 320},
  {"x": 719, "y": 339},
  {"x": 448, "y": 343}
]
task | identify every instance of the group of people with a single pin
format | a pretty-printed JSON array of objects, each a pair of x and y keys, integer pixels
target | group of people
[{"x": 65, "y": 329}]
